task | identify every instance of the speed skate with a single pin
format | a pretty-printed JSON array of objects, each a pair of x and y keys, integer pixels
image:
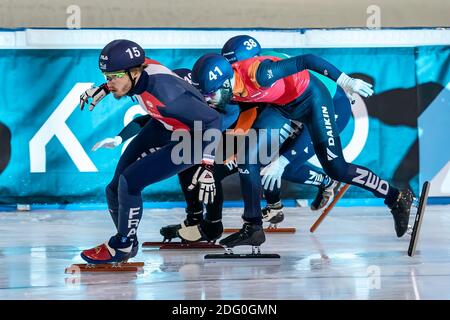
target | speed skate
[
  {"x": 105, "y": 267},
  {"x": 180, "y": 245},
  {"x": 421, "y": 204},
  {"x": 249, "y": 235},
  {"x": 255, "y": 254},
  {"x": 269, "y": 229}
]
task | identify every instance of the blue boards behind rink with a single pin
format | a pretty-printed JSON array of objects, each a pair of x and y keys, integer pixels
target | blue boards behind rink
[{"x": 401, "y": 132}]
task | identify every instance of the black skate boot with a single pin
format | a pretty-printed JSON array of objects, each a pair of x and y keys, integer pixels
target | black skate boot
[
  {"x": 325, "y": 195},
  {"x": 400, "y": 211},
  {"x": 135, "y": 248},
  {"x": 249, "y": 235},
  {"x": 206, "y": 230},
  {"x": 171, "y": 231},
  {"x": 273, "y": 213}
]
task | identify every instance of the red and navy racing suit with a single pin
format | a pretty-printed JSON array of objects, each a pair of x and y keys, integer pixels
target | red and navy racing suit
[{"x": 173, "y": 104}]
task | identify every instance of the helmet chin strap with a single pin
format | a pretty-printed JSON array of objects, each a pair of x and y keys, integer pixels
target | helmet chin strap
[{"x": 133, "y": 81}]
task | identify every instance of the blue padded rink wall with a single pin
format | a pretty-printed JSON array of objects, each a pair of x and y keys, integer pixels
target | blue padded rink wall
[{"x": 354, "y": 254}]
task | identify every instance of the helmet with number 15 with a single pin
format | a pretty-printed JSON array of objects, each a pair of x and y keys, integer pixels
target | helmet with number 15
[
  {"x": 121, "y": 55},
  {"x": 118, "y": 59}
]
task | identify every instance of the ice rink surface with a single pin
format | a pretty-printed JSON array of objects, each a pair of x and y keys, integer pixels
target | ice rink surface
[{"x": 354, "y": 254}]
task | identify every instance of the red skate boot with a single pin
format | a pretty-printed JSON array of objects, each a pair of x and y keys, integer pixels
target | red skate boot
[{"x": 117, "y": 250}]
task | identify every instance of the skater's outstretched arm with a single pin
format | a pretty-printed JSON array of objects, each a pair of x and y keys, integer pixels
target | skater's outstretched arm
[
  {"x": 129, "y": 131},
  {"x": 268, "y": 72}
]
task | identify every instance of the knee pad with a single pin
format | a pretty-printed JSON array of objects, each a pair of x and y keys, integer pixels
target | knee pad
[
  {"x": 125, "y": 187},
  {"x": 111, "y": 197}
]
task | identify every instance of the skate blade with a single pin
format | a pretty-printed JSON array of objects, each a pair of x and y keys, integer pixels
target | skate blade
[
  {"x": 105, "y": 267},
  {"x": 150, "y": 244},
  {"x": 327, "y": 209},
  {"x": 182, "y": 245},
  {"x": 419, "y": 218},
  {"x": 268, "y": 230},
  {"x": 243, "y": 256}
]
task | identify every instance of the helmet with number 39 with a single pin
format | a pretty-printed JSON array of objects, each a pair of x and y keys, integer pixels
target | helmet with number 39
[{"x": 240, "y": 48}]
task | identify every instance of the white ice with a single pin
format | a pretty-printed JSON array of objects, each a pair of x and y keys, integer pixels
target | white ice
[{"x": 354, "y": 254}]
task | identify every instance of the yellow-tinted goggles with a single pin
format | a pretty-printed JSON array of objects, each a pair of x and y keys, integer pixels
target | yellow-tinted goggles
[{"x": 109, "y": 76}]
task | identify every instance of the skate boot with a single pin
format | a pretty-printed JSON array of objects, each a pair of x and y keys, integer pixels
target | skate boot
[
  {"x": 135, "y": 249},
  {"x": 206, "y": 230},
  {"x": 273, "y": 213},
  {"x": 325, "y": 195},
  {"x": 400, "y": 211},
  {"x": 249, "y": 235},
  {"x": 171, "y": 231},
  {"x": 118, "y": 249}
]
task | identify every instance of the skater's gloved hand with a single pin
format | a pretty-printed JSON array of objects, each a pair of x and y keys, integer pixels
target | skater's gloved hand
[
  {"x": 96, "y": 93},
  {"x": 108, "y": 143},
  {"x": 352, "y": 85},
  {"x": 273, "y": 172},
  {"x": 204, "y": 178}
]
